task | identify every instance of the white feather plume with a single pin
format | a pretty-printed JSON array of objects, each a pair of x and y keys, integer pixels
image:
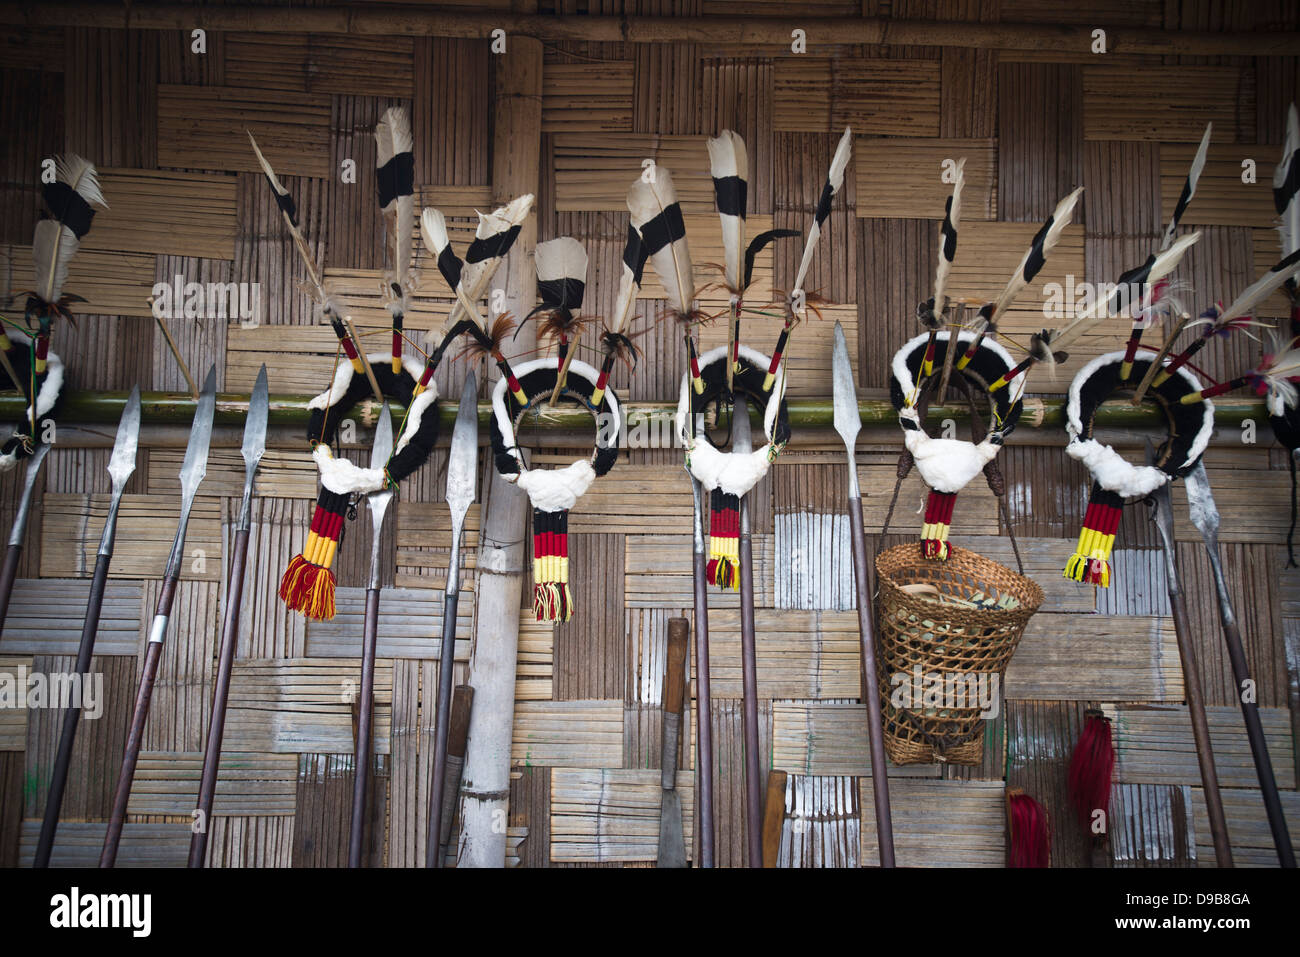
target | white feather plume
[
  {"x": 645, "y": 201},
  {"x": 1061, "y": 217},
  {"x": 393, "y": 136},
  {"x": 727, "y": 157},
  {"x": 835, "y": 178},
  {"x": 54, "y": 244},
  {"x": 952, "y": 219},
  {"x": 1193, "y": 177}
]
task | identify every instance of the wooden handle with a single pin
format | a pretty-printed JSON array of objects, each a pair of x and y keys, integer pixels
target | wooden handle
[
  {"x": 773, "y": 817},
  {"x": 8, "y": 574},
  {"x": 458, "y": 727},
  {"x": 675, "y": 669}
]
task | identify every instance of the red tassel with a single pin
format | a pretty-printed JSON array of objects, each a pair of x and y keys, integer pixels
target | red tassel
[
  {"x": 1030, "y": 838},
  {"x": 1091, "y": 767}
]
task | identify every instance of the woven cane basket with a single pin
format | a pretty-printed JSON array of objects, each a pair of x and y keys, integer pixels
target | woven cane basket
[{"x": 948, "y": 640}]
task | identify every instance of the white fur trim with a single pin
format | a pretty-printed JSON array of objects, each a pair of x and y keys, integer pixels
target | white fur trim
[
  {"x": 507, "y": 426},
  {"x": 1108, "y": 462},
  {"x": 342, "y": 477},
  {"x": 554, "y": 490},
  {"x": 46, "y": 396},
  {"x": 733, "y": 472},
  {"x": 8, "y": 461},
  {"x": 419, "y": 405},
  {"x": 948, "y": 465},
  {"x": 898, "y": 366}
]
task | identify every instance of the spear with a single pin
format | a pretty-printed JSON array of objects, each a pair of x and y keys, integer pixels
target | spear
[
  {"x": 14, "y": 554},
  {"x": 379, "y": 455},
  {"x": 703, "y": 699},
  {"x": 741, "y": 444},
  {"x": 120, "y": 467},
  {"x": 848, "y": 422},
  {"x": 1164, "y": 519},
  {"x": 462, "y": 481},
  {"x": 254, "y": 447},
  {"x": 1205, "y": 516},
  {"x": 193, "y": 469}
]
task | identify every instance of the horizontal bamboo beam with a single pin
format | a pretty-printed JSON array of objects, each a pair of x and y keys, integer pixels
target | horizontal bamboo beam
[
  {"x": 394, "y": 19},
  {"x": 1038, "y": 416}
]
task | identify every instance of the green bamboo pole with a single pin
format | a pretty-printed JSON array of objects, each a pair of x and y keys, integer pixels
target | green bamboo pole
[{"x": 1039, "y": 415}]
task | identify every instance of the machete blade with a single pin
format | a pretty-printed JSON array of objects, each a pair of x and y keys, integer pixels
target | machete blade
[
  {"x": 121, "y": 463},
  {"x": 380, "y": 453},
  {"x": 195, "y": 466},
  {"x": 672, "y": 843},
  {"x": 847, "y": 420},
  {"x": 462, "y": 462},
  {"x": 741, "y": 440},
  {"x": 1164, "y": 505},
  {"x": 255, "y": 425}
]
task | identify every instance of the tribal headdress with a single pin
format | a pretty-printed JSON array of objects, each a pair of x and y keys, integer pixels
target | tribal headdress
[
  {"x": 28, "y": 364},
  {"x": 1190, "y": 419},
  {"x": 561, "y": 285},
  {"x": 1286, "y": 200},
  {"x": 308, "y": 584}
]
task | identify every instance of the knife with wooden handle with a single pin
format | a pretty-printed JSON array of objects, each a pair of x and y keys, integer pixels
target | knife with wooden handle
[{"x": 672, "y": 843}]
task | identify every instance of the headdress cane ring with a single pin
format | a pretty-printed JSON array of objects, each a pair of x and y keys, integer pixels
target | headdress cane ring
[{"x": 552, "y": 492}]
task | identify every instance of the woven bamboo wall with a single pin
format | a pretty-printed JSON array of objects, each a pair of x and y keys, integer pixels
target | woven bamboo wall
[{"x": 165, "y": 126}]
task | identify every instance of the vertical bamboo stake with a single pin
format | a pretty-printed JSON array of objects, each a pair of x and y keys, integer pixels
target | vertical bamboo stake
[{"x": 171, "y": 344}]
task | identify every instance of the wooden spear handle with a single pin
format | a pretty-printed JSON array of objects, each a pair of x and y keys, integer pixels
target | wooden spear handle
[
  {"x": 8, "y": 573},
  {"x": 462, "y": 704},
  {"x": 675, "y": 669},
  {"x": 773, "y": 817}
]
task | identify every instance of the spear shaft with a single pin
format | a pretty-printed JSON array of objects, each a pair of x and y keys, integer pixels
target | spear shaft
[
  {"x": 703, "y": 697},
  {"x": 14, "y": 553},
  {"x": 742, "y": 444}
]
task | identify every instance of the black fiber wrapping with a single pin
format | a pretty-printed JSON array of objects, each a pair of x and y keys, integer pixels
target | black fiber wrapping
[
  {"x": 538, "y": 385},
  {"x": 986, "y": 367},
  {"x": 749, "y": 380},
  {"x": 1184, "y": 421}
]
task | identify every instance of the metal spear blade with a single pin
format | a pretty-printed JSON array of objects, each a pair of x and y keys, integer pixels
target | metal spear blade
[
  {"x": 255, "y": 424},
  {"x": 121, "y": 463},
  {"x": 1164, "y": 511},
  {"x": 462, "y": 463},
  {"x": 848, "y": 422},
  {"x": 380, "y": 453},
  {"x": 1200, "y": 503},
  {"x": 741, "y": 440},
  {"x": 195, "y": 466}
]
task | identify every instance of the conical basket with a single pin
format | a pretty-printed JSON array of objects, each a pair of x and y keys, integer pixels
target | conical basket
[{"x": 935, "y": 659}]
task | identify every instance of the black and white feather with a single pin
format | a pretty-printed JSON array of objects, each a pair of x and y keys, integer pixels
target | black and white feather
[
  {"x": 70, "y": 200},
  {"x": 561, "y": 276},
  {"x": 1286, "y": 191},
  {"x": 396, "y": 180},
  {"x": 948, "y": 239},
  {"x": 834, "y": 182},
  {"x": 1048, "y": 235},
  {"x": 729, "y": 166},
  {"x": 1189, "y": 187},
  {"x": 657, "y": 216}
]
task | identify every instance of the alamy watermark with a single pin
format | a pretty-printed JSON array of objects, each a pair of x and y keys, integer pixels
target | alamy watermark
[
  {"x": 1065, "y": 301},
  {"x": 179, "y": 299},
  {"x": 21, "y": 688}
]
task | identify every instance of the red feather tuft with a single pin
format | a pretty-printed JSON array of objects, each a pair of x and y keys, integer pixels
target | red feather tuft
[
  {"x": 1031, "y": 839},
  {"x": 1091, "y": 767}
]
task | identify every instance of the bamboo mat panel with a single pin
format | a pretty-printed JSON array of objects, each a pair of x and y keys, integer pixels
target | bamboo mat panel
[
  {"x": 814, "y": 559},
  {"x": 940, "y": 823},
  {"x": 647, "y": 634},
  {"x": 31, "y": 101},
  {"x": 203, "y": 127},
  {"x": 1171, "y": 104},
  {"x": 1153, "y": 745},
  {"x": 976, "y": 512},
  {"x": 530, "y": 815},
  {"x": 593, "y": 171},
  {"x": 1138, "y": 584},
  {"x": 264, "y": 252},
  {"x": 1254, "y": 506},
  {"x": 32, "y": 49},
  {"x": 356, "y": 226},
  {"x": 72, "y": 524},
  {"x": 968, "y": 86},
  {"x": 1122, "y": 198},
  {"x": 589, "y": 653},
  {"x": 536, "y": 658},
  {"x": 11, "y": 805},
  {"x": 737, "y": 95},
  {"x": 323, "y": 820},
  {"x": 111, "y": 283},
  {"x": 200, "y": 341},
  {"x": 299, "y": 705},
  {"x": 668, "y": 85},
  {"x": 1252, "y": 841},
  {"x": 801, "y": 654},
  {"x": 822, "y": 738},
  {"x": 250, "y": 841},
  {"x": 1253, "y": 573},
  {"x": 662, "y": 494},
  {"x": 268, "y": 629},
  {"x": 110, "y": 95},
  {"x": 799, "y": 176},
  {"x": 410, "y": 625},
  {"x": 587, "y": 97},
  {"x": 14, "y": 673},
  {"x": 823, "y": 823},
  {"x": 167, "y": 782},
  {"x": 451, "y": 112},
  {"x": 287, "y": 474},
  {"x": 1129, "y": 658},
  {"x": 571, "y": 734},
  {"x": 410, "y": 769},
  {"x": 1222, "y": 198},
  {"x": 97, "y": 751},
  {"x": 423, "y": 535},
  {"x": 1040, "y": 138},
  {"x": 46, "y": 616},
  {"x": 1267, "y": 251},
  {"x": 80, "y": 842},
  {"x": 879, "y": 97},
  {"x": 658, "y": 570},
  {"x": 358, "y": 292},
  {"x": 897, "y": 272},
  {"x": 730, "y": 844},
  {"x": 1040, "y": 743},
  {"x": 321, "y": 63},
  {"x": 808, "y": 351},
  {"x": 903, "y": 178},
  {"x": 178, "y": 717},
  {"x": 299, "y": 359},
  {"x": 612, "y": 814},
  {"x": 182, "y": 214},
  {"x": 1151, "y": 825}
]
